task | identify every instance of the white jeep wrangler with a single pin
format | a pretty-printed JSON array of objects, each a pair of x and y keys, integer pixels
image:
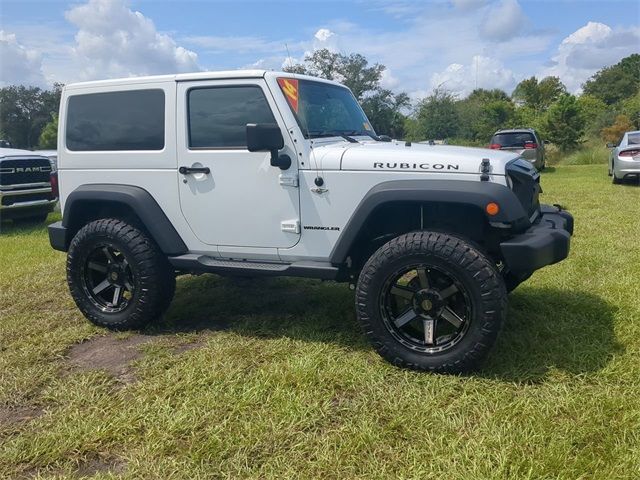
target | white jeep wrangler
[{"x": 262, "y": 173}]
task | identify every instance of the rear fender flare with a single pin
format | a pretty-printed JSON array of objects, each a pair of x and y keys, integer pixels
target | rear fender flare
[{"x": 140, "y": 201}]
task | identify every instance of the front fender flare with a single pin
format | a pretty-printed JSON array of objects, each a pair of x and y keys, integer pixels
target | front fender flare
[{"x": 458, "y": 192}]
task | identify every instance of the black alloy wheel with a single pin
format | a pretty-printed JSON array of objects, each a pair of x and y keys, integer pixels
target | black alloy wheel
[
  {"x": 426, "y": 309},
  {"x": 108, "y": 279}
]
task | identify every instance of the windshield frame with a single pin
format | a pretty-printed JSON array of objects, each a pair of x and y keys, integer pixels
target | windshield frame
[{"x": 370, "y": 132}]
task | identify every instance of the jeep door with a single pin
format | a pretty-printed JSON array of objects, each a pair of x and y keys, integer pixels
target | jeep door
[{"x": 242, "y": 201}]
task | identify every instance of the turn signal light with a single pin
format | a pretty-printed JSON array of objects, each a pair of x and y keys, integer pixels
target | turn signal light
[{"x": 492, "y": 208}]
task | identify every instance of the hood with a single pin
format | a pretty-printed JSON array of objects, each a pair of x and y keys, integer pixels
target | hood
[
  {"x": 397, "y": 156},
  {"x": 16, "y": 152}
]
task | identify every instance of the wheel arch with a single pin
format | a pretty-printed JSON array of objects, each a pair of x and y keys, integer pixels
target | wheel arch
[
  {"x": 127, "y": 202},
  {"x": 400, "y": 200}
]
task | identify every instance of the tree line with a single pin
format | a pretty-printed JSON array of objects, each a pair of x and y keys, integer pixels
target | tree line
[{"x": 608, "y": 106}]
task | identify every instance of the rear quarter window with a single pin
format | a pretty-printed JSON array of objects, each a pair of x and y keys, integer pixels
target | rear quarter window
[{"x": 111, "y": 121}]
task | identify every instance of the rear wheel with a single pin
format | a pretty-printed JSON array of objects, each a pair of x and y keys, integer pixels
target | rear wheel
[
  {"x": 615, "y": 180},
  {"x": 431, "y": 301},
  {"x": 117, "y": 276}
]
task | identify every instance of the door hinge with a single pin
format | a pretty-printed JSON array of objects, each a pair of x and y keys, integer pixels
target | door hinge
[
  {"x": 288, "y": 180},
  {"x": 290, "y": 226}
]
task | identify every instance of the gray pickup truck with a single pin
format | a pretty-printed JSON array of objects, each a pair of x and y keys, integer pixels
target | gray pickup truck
[{"x": 28, "y": 185}]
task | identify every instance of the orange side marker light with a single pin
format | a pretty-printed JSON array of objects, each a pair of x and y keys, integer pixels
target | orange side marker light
[{"x": 492, "y": 208}]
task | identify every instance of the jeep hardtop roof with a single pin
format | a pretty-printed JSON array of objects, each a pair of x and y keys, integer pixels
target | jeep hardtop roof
[{"x": 185, "y": 77}]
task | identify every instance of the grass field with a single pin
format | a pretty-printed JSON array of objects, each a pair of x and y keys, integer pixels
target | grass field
[{"x": 271, "y": 378}]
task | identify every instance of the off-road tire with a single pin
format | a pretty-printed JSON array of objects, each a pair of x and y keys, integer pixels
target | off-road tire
[
  {"x": 152, "y": 274},
  {"x": 473, "y": 269}
]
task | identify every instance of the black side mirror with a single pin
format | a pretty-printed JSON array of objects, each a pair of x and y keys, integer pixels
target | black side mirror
[
  {"x": 384, "y": 138},
  {"x": 267, "y": 137},
  {"x": 611, "y": 145}
]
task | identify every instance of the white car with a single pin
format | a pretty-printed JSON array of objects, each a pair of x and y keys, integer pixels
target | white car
[
  {"x": 624, "y": 160},
  {"x": 259, "y": 173}
]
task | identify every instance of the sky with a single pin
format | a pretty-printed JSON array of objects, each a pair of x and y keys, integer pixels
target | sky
[{"x": 457, "y": 45}]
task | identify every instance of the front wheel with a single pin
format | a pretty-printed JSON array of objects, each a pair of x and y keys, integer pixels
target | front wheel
[
  {"x": 117, "y": 276},
  {"x": 431, "y": 301}
]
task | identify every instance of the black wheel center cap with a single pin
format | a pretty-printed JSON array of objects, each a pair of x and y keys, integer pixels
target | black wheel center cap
[
  {"x": 428, "y": 302},
  {"x": 115, "y": 274}
]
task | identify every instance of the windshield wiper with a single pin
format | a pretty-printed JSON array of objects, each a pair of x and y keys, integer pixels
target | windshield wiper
[
  {"x": 333, "y": 133},
  {"x": 365, "y": 133}
]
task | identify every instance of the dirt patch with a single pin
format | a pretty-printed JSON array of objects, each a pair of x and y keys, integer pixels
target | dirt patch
[
  {"x": 194, "y": 343},
  {"x": 14, "y": 415},
  {"x": 109, "y": 353},
  {"x": 94, "y": 465}
]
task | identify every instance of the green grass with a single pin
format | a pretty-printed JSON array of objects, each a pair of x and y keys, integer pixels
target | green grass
[
  {"x": 593, "y": 152},
  {"x": 280, "y": 384}
]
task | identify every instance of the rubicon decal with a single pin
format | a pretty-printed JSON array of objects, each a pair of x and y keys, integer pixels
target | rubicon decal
[
  {"x": 289, "y": 87},
  {"x": 415, "y": 166}
]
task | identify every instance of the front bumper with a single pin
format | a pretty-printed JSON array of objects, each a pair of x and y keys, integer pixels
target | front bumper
[
  {"x": 544, "y": 243},
  {"x": 23, "y": 199}
]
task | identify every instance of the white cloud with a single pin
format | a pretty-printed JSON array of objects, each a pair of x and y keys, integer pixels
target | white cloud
[
  {"x": 588, "y": 49},
  {"x": 503, "y": 21},
  {"x": 324, "y": 34},
  {"x": 482, "y": 72},
  {"x": 20, "y": 65},
  {"x": 113, "y": 40}
]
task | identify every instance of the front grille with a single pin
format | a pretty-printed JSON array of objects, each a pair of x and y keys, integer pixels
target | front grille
[
  {"x": 18, "y": 171},
  {"x": 526, "y": 185},
  {"x": 30, "y": 197}
]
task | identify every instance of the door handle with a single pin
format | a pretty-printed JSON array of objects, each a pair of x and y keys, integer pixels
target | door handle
[{"x": 188, "y": 170}]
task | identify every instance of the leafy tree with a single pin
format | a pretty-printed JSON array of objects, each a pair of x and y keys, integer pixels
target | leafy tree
[
  {"x": 631, "y": 108},
  {"x": 384, "y": 110},
  {"x": 596, "y": 114},
  {"x": 539, "y": 95},
  {"x": 437, "y": 116},
  {"x": 617, "y": 82},
  {"x": 24, "y": 111},
  {"x": 483, "y": 112},
  {"x": 49, "y": 136},
  {"x": 563, "y": 123},
  {"x": 614, "y": 132}
]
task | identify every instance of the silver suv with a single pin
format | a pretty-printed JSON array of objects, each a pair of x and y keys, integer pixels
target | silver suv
[{"x": 524, "y": 141}]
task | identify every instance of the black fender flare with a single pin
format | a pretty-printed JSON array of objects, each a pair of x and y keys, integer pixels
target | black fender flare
[
  {"x": 459, "y": 192},
  {"x": 141, "y": 203}
]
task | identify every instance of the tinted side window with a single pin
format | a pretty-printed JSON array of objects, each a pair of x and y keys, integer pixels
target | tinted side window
[
  {"x": 218, "y": 116},
  {"x": 130, "y": 120}
]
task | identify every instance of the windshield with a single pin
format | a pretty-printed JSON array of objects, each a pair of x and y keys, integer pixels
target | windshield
[{"x": 324, "y": 110}]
